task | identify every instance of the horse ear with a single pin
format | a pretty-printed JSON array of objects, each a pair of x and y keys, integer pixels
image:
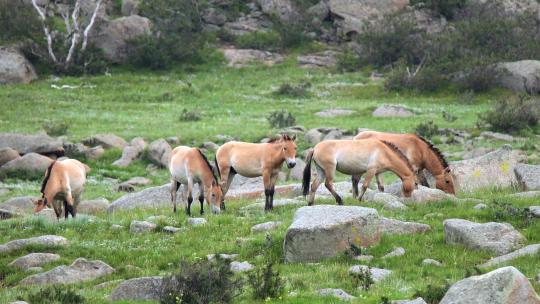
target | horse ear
[
  {"x": 293, "y": 137},
  {"x": 214, "y": 183},
  {"x": 447, "y": 170}
]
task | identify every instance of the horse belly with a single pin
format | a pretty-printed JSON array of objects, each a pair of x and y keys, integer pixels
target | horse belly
[
  {"x": 352, "y": 165},
  {"x": 180, "y": 175}
]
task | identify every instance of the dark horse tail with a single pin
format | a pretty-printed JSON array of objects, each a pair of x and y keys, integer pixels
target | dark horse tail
[
  {"x": 46, "y": 178},
  {"x": 307, "y": 173},
  {"x": 217, "y": 167}
]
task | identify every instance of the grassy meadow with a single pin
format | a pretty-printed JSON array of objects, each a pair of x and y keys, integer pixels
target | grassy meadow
[{"x": 236, "y": 102}]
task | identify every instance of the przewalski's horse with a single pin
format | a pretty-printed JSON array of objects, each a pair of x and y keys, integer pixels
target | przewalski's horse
[
  {"x": 421, "y": 154},
  {"x": 64, "y": 181},
  {"x": 189, "y": 166},
  {"x": 355, "y": 157},
  {"x": 253, "y": 160}
]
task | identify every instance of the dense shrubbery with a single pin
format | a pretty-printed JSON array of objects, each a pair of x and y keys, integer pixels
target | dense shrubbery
[
  {"x": 433, "y": 294},
  {"x": 19, "y": 21},
  {"x": 299, "y": 90},
  {"x": 201, "y": 282},
  {"x": 281, "y": 119},
  {"x": 56, "y": 294},
  {"x": 266, "y": 283},
  {"x": 259, "y": 40},
  {"x": 179, "y": 35},
  {"x": 447, "y": 8},
  {"x": 512, "y": 114},
  {"x": 458, "y": 55}
]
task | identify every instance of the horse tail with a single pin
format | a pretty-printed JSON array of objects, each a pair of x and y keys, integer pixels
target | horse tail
[
  {"x": 307, "y": 173},
  {"x": 217, "y": 167}
]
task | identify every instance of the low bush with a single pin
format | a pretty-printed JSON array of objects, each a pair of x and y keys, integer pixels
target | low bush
[
  {"x": 299, "y": 90},
  {"x": 259, "y": 40},
  {"x": 362, "y": 279},
  {"x": 266, "y": 283},
  {"x": 55, "y": 128},
  {"x": 201, "y": 282},
  {"x": 433, "y": 294},
  {"x": 515, "y": 113},
  {"x": 281, "y": 119},
  {"x": 504, "y": 211},
  {"x": 187, "y": 115},
  {"x": 348, "y": 61},
  {"x": 427, "y": 129},
  {"x": 55, "y": 294}
]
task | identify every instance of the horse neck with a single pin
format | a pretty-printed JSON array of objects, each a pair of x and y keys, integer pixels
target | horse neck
[
  {"x": 401, "y": 169},
  {"x": 275, "y": 149},
  {"x": 432, "y": 163},
  {"x": 207, "y": 178}
]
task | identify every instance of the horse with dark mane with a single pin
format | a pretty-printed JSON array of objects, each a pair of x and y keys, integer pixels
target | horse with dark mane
[
  {"x": 420, "y": 153},
  {"x": 189, "y": 166},
  {"x": 356, "y": 157}
]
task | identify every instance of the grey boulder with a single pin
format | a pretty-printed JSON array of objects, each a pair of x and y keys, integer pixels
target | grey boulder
[
  {"x": 80, "y": 271},
  {"x": 528, "y": 176},
  {"x": 159, "y": 152},
  {"x": 138, "y": 289},
  {"x": 141, "y": 226},
  {"x": 7, "y": 154},
  {"x": 44, "y": 240},
  {"x": 393, "y": 226},
  {"x": 26, "y": 143},
  {"x": 31, "y": 165},
  {"x": 107, "y": 141},
  {"x": 14, "y": 67},
  {"x": 34, "y": 260}
]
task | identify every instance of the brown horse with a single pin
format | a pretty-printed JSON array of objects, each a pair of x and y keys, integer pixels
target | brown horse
[
  {"x": 190, "y": 166},
  {"x": 64, "y": 181},
  {"x": 421, "y": 154},
  {"x": 253, "y": 160},
  {"x": 356, "y": 157}
]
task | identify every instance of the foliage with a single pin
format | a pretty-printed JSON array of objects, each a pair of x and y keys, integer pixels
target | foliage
[
  {"x": 433, "y": 294},
  {"x": 281, "y": 119},
  {"x": 449, "y": 117},
  {"x": 427, "y": 129},
  {"x": 55, "y": 128},
  {"x": 446, "y": 8},
  {"x": 299, "y": 90},
  {"x": 362, "y": 278},
  {"x": 292, "y": 34},
  {"x": 413, "y": 78},
  {"x": 55, "y": 294},
  {"x": 187, "y": 115},
  {"x": 201, "y": 282},
  {"x": 180, "y": 38},
  {"x": 348, "y": 61},
  {"x": 504, "y": 211},
  {"x": 259, "y": 40},
  {"x": 19, "y": 22},
  {"x": 266, "y": 283},
  {"x": 515, "y": 113}
]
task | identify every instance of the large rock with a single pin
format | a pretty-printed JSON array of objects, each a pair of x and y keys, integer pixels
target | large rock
[
  {"x": 130, "y": 7},
  {"x": 377, "y": 274},
  {"x": 80, "y": 271},
  {"x": 107, "y": 141},
  {"x": 336, "y": 292},
  {"x": 392, "y": 111},
  {"x": 34, "y": 260},
  {"x": 324, "y": 231},
  {"x": 501, "y": 286},
  {"x": 332, "y": 113},
  {"x": 113, "y": 36},
  {"x": 244, "y": 57},
  {"x": 138, "y": 289},
  {"x": 44, "y": 240},
  {"x": 19, "y": 205},
  {"x": 131, "y": 152},
  {"x": 393, "y": 226},
  {"x": 7, "y": 155},
  {"x": 528, "y": 176},
  {"x": 520, "y": 76},
  {"x": 159, "y": 152},
  {"x": 31, "y": 165},
  {"x": 283, "y": 9},
  {"x": 500, "y": 238},
  {"x": 93, "y": 206},
  {"x": 38, "y": 143},
  {"x": 154, "y": 197},
  {"x": 494, "y": 169},
  {"x": 263, "y": 227},
  {"x": 530, "y": 250},
  {"x": 352, "y": 15},
  {"x": 141, "y": 226},
  {"x": 326, "y": 59},
  {"x": 14, "y": 67}
]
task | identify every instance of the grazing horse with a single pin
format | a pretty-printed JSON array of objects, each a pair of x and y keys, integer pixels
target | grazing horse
[
  {"x": 355, "y": 157},
  {"x": 190, "y": 166},
  {"x": 421, "y": 154},
  {"x": 64, "y": 181},
  {"x": 253, "y": 160}
]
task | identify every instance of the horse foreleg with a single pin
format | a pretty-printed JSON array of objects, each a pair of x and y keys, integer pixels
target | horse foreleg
[
  {"x": 201, "y": 197},
  {"x": 330, "y": 186},
  {"x": 380, "y": 183},
  {"x": 57, "y": 209},
  {"x": 189, "y": 192},
  {"x": 315, "y": 184},
  {"x": 355, "y": 179},
  {"x": 268, "y": 191},
  {"x": 367, "y": 180},
  {"x": 66, "y": 210},
  {"x": 174, "y": 189}
]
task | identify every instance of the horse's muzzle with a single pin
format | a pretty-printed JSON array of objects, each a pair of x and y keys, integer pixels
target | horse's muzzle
[
  {"x": 215, "y": 209},
  {"x": 291, "y": 164}
]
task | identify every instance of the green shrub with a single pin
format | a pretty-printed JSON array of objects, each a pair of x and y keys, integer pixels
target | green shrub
[
  {"x": 446, "y": 8},
  {"x": 504, "y": 211},
  {"x": 55, "y": 294},
  {"x": 201, "y": 282},
  {"x": 180, "y": 38},
  {"x": 407, "y": 78},
  {"x": 18, "y": 22},
  {"x": 427, "y": 130},
  {"x": 363, "y": 278},
  {"x": 190, "y": 115},
  {"x": 293, "y": 34},
  {"x": 348, "y": 61},
  {"x": 55, "y": 128},
  {"x": 281, "y": 119},
  {"x": 259, "y": 40},
  {"x": 266, "y": 283},
  {"x": 299, "y": 90},
  {"x": 433, "y": 294},
  {"x": 515, "y": 113}
]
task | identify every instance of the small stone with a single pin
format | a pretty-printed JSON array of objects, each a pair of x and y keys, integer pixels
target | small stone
[
  {"x": 398, "y": 251},
  {"x": 237, "y": 267},
  {"x": 224, "y": 256},
  {"x": 377, "y": 274},
  {"x": 530, "y": 250},
  {"x": 117, "y": 227},
  {"x": 363, "y": 258},
  {"x": 157, "y": 218},
  {"x": 415, "y": 301},
  {"x": 171, "y": 229},
  {"x": 338, "y": 293},
  {"x": 265, "y": 227},
  {"x": 44, "y": 240},
  {"x": 392, "y": 111},
  {"x": 197, "y": 221},
  {"x": 394, "y": 205},
  {"x": 34, "y": 260},
  {"x": 141, "y": 226},
  {"x": 480, "y": 206},
  {"x": 431, "y": 262},
  {"x": 535, "y": 210},
  {"x": 125, "y": 187},
  {"x": 393, "y": 226}
]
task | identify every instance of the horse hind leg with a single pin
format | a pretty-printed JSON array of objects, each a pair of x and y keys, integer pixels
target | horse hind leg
[
  {"x": 315, "y": 184},
  {"x": 66, "y": 210},
  {"x": 174, "y": 189},
  {"x": 189, "y": 192},
  {"x": 355, "y": 179},
  {"x": 201, "y": 197},
  {"x": 369, "y": 175},
  {"x": 329, "y": 184},
  {"x": 380, "y": 183}
]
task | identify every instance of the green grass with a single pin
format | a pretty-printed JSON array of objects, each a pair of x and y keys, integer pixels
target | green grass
[{"x": 234, "y": 102}]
